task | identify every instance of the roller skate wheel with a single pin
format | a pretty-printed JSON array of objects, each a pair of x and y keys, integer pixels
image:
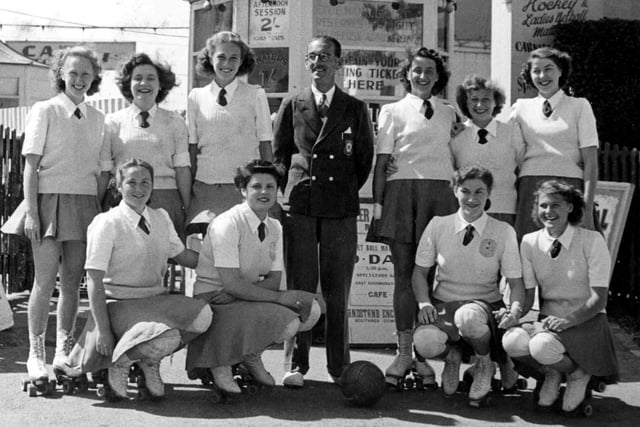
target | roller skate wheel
[
  {"x": 32, "y": 390},
  {"x": 49, "y": 388},
  {"x": 101, "y": 392},
  {"x": 67, "y": 387},
  {"x": 409, "y": 384},
  {"x": 251, "y": 389},
  {"x": 140, "y": 381},
  {"x": 143, "y": 394},
  {"x": 587, "y": 409},
  {"x": 599, "y": 387},
  {"x": 83, "y": 385},
  {"x": 24, "y": 385},
  {"x": 216, "y": 397}
]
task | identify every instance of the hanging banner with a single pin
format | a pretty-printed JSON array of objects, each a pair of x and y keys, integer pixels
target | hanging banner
[
  {"x": 371, "y": 319},
  {"x": 268, "y": 21},
  {"x": 369, "y": 24}
]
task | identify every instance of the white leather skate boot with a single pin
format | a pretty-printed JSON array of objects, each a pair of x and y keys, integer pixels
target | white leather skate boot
[
  {"x": 403, "y": 362},
  {"x": 36, "y": 364}
]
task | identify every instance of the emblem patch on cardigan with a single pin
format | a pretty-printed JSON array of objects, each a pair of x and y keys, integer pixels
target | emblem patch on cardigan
[{"x": 488, "y": 248}]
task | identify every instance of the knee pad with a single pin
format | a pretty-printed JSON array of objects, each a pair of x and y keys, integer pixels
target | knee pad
[
  {"x": 201, "y": 323},
  {"x": 546, "y": 349},
  {"x": 160, "y": 346},
  {"x": 516, "y": 342},
  {"x": 472, "y": 321},
  {"x": 314, "y": 315},
  {"x": 430, "y": 341},
  {"x": 290, "y": 330}
]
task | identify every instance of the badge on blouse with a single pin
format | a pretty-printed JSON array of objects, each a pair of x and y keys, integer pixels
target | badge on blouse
[
  {"x": 272, "y": 251},
  {"x": 488, "y": 248}
]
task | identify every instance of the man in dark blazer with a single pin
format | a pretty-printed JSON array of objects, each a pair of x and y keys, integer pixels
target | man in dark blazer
[{"x": 324, "y": 139}]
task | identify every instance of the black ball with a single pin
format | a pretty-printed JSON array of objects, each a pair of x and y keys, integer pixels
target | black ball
[{"x": 362, "y": 383}]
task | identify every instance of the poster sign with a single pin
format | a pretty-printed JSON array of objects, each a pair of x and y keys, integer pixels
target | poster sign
[
  {"x": 371, "y": 319},
  {"x": 370, "y": 24},
  {"x": 366, "y": 73},
  {"x": 272, "y": 69},
  {"x": 268, "y": 21},
  {"x": 110, "y": 54},
  {"x": 613, "y": 201},
  {"x": 533, "y": 22}
]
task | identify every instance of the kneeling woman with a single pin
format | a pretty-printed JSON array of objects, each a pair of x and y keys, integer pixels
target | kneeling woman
[
  {"x": 570, "y": 266},
  {"x": 471, "y": 250},
  {"x": 239, "y": 274},
  {"x": 133, "y": 318}
]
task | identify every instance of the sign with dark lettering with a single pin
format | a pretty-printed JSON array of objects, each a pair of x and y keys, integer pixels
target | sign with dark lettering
[
  {"x": 613, "y": 200},
  {"x": 369, "y": 24},
  {"x": 366, "y": 73},
  {"x": 371, "y": 319},
  {"x": 272, "y": 69},
  {"x": 268, "y": 22},
  {"x": 533, "y": 22},
  {"x": 110, "y": 54}
]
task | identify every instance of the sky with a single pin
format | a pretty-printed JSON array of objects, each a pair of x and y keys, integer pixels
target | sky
[{"x": 166, "y": 44}]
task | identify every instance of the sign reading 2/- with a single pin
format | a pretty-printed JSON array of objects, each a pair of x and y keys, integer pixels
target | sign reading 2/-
[{"x": 268, "y": 22}]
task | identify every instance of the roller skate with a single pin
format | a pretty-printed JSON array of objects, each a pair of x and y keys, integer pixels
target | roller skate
[
  {"x": 206, "y": 378},
  {"x": 68, "y": 378},
  {"x": 479, "y": 393},
  {"x": 547, "y": 391},
  {"x": 396, "y": 374},
  {"x": 424, "y": 375},
  {"x": 576, "y": 399},
  {"x": 37, "y": 381},
  {"x": 113, "y": 382},
  {"x": 451, "y": 371},
  {"x": 509, "y": 382},
  {"x": 252, "y": 372},
  {"x": 148, "y": 380},
  {"x": 103, "y": 389}
]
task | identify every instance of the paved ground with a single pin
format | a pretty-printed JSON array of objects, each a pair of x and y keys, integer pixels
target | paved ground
[{"x": 319, "y": 403}]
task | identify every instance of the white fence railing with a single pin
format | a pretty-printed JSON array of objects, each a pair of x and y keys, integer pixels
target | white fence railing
[{"x": 14, "y": 118}]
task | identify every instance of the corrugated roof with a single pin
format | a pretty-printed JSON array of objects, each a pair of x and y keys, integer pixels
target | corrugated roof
[{"x": 10, "y": 56}]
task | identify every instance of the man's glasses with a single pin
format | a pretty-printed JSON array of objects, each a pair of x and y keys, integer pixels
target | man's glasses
[{"x": 321, "y": 57}]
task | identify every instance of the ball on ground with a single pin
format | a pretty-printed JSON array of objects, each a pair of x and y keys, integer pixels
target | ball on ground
[{"x": 362, "y": 383}]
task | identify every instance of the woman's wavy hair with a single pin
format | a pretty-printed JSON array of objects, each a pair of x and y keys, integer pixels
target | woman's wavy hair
[
  {"x": 205, "y": 67},
  {"x": 475, "y": 82},
  {"x": 57, "y": 64},
  {"x": 560, "y": 58},
  {"x": 131, "y": 163},
  {"x": 423, "y": 52},
  {"x": 166, "y": 77},
  {"x": 245, "y": 172},
  {"x": 569, "y": 193}
]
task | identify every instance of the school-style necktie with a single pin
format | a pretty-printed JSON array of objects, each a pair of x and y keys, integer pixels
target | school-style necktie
[
  {"x": 428, "y": 109},
  {"x": 482, "y": 136},
  {"x": 222, "y": 97},
  {"x": 555, "y": 249},
  {"x": 78, "y": 113},
  {"x": 262, "y": 231},
  {"x": 144, "y": 115},
  {"x": 323, "y": 108},
  {"x": 143, "y": 225},
  {"x": 468, "y": 235},
  {"x": 546, "y": 108}
]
